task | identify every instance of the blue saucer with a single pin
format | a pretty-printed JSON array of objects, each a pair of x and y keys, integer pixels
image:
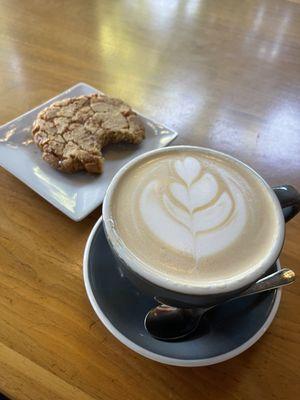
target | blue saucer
[{"x": 228, "y": 330}]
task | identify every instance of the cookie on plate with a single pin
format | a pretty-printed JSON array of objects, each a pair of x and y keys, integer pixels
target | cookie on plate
[{"x": 72, "y": 133}]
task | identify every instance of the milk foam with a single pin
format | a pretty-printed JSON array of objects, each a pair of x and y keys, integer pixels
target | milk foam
[{"x": 193, "y": 216}]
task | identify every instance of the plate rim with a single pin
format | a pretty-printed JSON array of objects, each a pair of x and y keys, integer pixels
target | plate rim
[
  {"x": 155, "y": 356},
  {"x": 77, "y": 216}
]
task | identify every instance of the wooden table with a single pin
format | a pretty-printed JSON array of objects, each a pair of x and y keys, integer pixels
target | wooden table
[{"x": 224, "y": 74}]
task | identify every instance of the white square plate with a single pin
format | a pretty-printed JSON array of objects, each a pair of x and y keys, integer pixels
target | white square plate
[{"x": 79, "y": 194}]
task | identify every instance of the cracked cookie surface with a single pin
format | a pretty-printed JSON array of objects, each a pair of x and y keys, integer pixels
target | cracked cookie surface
[{"x": 72, "y": 133}]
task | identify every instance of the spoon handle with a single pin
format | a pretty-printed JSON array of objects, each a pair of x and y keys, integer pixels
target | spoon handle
[{"x": 280, "y": 278}]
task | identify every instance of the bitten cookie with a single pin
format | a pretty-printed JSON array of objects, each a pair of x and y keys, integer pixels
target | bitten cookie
[{"x": 72, "y": 133}]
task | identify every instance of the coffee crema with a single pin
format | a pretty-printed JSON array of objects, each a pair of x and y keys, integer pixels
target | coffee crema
[{"x": 193, "y": 216}]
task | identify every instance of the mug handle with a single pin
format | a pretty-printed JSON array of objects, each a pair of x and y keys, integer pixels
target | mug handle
[{"x": 289, "y": 199}]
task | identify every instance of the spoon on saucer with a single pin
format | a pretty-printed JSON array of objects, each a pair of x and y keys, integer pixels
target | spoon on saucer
[{"x": 168, "y": 323}]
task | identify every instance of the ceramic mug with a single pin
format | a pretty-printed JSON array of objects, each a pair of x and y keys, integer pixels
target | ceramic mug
[{"x": 287, "y": 202}]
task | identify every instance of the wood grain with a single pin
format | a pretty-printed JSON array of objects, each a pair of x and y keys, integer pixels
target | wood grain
[{"x": 225, "y": 74}]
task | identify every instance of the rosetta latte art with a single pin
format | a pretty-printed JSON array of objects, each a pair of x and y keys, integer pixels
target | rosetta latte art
[
  {"x": 198, "y": 212},
  {"x": 193, "y": 216}
]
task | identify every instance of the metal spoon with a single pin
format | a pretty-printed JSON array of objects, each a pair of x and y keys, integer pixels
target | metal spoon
[{"x": 168, "y": 323}]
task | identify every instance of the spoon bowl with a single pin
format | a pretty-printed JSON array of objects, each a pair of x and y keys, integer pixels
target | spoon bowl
[{"x": 168, "y": 323}]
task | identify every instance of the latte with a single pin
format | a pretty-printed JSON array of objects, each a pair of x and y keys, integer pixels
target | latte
[{"x": 193, "y": 216}]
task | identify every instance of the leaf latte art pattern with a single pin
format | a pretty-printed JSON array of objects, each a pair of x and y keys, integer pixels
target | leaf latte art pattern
[{"x": 198, "y": 212}]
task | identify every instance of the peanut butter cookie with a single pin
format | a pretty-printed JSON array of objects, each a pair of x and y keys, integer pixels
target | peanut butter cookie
[{"x": 72, "y": 133}]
